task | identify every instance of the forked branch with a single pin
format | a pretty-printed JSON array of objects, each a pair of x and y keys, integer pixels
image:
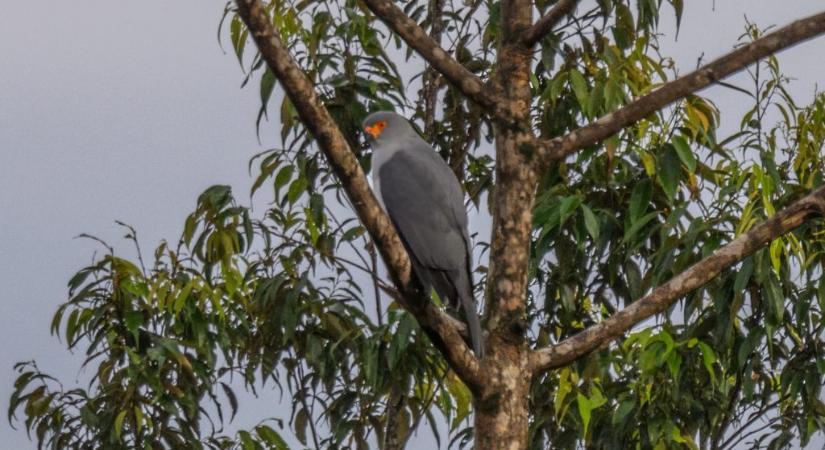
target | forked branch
[
  {"x": 547, "y": 22},
  {"x": 465, "y": 81},
  {"x": 604, "y": 127},
  {"x": 439, "y": 326},
  {"x": 695, "y": 276}
]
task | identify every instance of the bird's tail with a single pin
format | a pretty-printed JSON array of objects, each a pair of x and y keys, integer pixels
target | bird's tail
[
  {"x": 468, "y": 304},
  {"x": 473, "y": 324}
]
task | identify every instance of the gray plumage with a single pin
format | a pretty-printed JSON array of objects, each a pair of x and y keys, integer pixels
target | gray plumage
[{"x": 423, "y": 198}]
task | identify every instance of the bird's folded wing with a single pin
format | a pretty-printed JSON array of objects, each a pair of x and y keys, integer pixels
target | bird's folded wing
[{"x": 423, "y": 210}]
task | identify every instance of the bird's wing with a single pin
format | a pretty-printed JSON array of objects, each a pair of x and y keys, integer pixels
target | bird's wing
[
  {"x": 425, "y": 203},
  {"x": 421, "y": 203}
]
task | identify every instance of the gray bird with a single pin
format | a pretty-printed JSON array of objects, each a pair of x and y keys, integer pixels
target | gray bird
[{"x": 424, "y": 201}]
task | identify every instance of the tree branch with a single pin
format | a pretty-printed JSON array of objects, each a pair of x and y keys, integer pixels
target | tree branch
[
  {"x": 464, "y": 80},
  {"x": 430, "y": 82},
  {"x": 547, "y": 22},
  {"x": 604, "y": 127},
  {"x": 436, "y": 323},
  {"x": 695, "y": 276},
  {"x": 395, "y": 402}
]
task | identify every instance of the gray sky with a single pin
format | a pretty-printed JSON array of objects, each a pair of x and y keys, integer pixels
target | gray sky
[{"x": 114, "y": 110}]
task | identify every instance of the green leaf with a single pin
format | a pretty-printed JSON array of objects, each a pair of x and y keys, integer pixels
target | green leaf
[
  {"x": 669, "y": 173},
  {"x": 233, "y": 400},
  {"x": 247, "y": 228},
  {"x": 71, "y": 326},
  {"x": 401, "y": 339},
  {"x": 584, "y": 410},
  {"x": 625, "y": 407},
  {"x": 744, "y": 274},
  {"x": 247, "y": 443},
  {"x": 580, "y": 88},
  {"x": 775, "y": 301},
  {"x": 296, "y": 189},
  {"x": 180, "y": 300},
  {"x": 776, "y": 248},
  {"x": 640, "y": 199},
  {"x": 678, "y": 9},
  {"x": 77, "y": 280},
  {"x": 590, "y": 222},
  {"x": 133, "y": 320},
  {"x": 238, "y": 34},
  {"x": 683, "y": 439},
  {"x": 596, "y": 398},
  {"x": 216, "y": 197},
  {"x": 267, "y": 85},
  {"x": 138, "y": 418},
  {"x": 271, "y": 437},
  {"x": 685, "y": 153},
  {"x": 463, "y": 400},
  {"x": 566, "y": 208},
  {"x": 588, "y": 404},
  {"x": 352, "y": 233},
  {"x": 119, "y": 424},
  {"x": 189, "y": 228},
  {"x": 565, "y": 387},
  {"x": 674, "y": 363},
  {"x": 283, "y": 176},
  {"x": 625, "y": 31},
  {"x": 637, "y": 226},
  {"x": 301, "y": 422},
  {"x": 708, "y": 358}
]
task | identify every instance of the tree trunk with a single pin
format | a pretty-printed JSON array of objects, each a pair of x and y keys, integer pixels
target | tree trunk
[
  {"x": 501, "y": 410},
  {"x": 501, "y": 414}
]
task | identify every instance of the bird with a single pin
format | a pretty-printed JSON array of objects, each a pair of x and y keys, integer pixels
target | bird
[{"x": 425, "y": 203}]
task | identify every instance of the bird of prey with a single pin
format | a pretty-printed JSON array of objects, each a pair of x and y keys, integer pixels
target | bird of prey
[{"x": 424, "y": 201}]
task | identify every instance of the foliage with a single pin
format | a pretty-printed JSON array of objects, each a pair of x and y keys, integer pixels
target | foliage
[
  {"x": 745, "y": 349},
  {"x": 292, "y": 299}
]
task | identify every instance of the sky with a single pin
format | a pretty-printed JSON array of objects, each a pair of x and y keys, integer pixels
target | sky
[{"x": 116, "y": 110}]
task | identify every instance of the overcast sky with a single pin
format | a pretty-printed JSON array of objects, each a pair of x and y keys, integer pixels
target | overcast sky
[{"x": 115, "y": 110}]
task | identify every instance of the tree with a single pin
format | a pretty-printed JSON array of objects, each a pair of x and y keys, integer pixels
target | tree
[{"x": 650, "y": 283}]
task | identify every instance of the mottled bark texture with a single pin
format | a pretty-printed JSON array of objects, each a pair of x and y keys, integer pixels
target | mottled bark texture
[
  {"x": 392, "y": 441},
  {"x": 501, "y": 414},
  {"x": 438, "y": 325},
  {"x": 501, "y": 381}
]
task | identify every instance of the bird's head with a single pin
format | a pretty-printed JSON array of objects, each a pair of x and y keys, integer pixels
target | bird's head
[{"x": 385, "y": 125}]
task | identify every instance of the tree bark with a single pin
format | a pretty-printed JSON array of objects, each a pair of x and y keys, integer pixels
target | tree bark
[
  {"x": 391, "y": 438},
  {"x": 501, "y": 413}
]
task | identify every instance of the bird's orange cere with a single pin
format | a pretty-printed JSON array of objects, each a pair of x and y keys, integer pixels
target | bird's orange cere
[{"x": 375, "y": 129}]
